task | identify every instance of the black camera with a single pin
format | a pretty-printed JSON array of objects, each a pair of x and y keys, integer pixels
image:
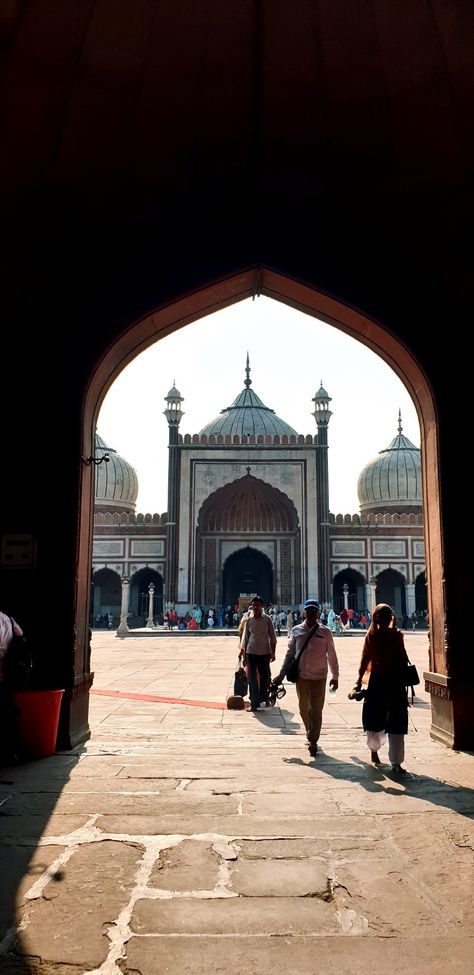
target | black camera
[{"x": 277, "y": 691}]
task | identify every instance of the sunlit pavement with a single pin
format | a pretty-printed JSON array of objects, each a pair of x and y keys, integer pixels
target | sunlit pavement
[{"x": 185, "y": 837}]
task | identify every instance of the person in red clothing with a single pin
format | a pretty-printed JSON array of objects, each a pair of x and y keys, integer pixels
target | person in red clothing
[
  {"x": 385, "y": 708},
  {"x": 344, "y": 617}
]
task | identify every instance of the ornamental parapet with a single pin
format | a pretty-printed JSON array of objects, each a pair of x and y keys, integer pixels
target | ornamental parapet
[
  {"x": 128, "y": 518},
  {"x": 368, "y": 518},
  {"x": 244, "y": 440}
]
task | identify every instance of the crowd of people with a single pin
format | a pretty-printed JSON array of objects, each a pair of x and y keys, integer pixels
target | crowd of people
[
  {"x": 380, "y": 682},
  {"x": 382, "y": 674}
]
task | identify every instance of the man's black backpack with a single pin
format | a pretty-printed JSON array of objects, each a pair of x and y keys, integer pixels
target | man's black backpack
[{"x": 17, "y": 662}]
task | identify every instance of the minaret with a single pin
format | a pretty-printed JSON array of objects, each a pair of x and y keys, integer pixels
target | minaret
[
  {"x": 322, "y": 414},
  {"x": 173, "y": 414}
]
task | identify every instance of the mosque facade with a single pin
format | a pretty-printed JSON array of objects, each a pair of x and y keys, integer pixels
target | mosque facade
[{"x": 249, "y": 511}]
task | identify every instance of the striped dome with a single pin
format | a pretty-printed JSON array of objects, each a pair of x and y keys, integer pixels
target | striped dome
[
  {"x": 116, "y": 482},
  {"x": 392, "y": 480},
  {"x": 248, "y": 505}
]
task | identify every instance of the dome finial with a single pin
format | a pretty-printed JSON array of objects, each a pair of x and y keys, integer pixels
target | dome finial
[
  {"x": 400, "y": 428},
  {"x": 248, "y": 381}
]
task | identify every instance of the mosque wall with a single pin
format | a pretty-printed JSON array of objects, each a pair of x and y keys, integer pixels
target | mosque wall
[{"x": 205, "y": 469}]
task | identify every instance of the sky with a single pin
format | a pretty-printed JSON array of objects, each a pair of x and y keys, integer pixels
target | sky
[{"x": 290, "y": 355}]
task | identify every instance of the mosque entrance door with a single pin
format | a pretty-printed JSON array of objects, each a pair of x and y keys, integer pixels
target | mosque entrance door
[{"x": 247, "y": 571}]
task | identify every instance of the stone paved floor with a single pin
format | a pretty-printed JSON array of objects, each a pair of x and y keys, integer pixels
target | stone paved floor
[{"x": 186, "y": 838}]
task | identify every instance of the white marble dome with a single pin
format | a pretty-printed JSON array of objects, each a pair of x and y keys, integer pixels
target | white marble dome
[
  {"x": 116, "y": 482},
  {"x": 392, "y": 480},
  {"x": 248, "y": 415}
]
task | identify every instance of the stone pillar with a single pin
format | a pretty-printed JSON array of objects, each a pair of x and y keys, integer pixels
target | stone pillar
[
  {"x": 150, "y": 625},
  {"x": 368, "y": 597},
  {"x": 373, "y": 594},
  {"x": 410, "y": 599},
  {"x": 345, "y": 591},
  {"x": 123, "y": 629}
]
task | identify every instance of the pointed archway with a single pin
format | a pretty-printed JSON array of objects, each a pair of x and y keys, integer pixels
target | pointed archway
[
  {"x": 248, "y": 513},
  {"x": 391, "y": 589},
  {"x": 448, "y": 715},
  {"x": 248, "y": 572}
]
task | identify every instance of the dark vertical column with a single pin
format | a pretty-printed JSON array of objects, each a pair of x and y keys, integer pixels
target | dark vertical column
[
  {"x": 174, "y": 463},
  {"x": 322, "y": 480},
  {"x": 173, "y": 414},
  {"x": 322, "y": 415}
]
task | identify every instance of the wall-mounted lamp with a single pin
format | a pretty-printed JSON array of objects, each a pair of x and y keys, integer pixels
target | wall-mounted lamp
[{"x": 96, "y": 460}]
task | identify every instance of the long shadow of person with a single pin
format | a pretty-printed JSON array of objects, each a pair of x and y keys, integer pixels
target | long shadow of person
[
  {"x": 438, "y": 792},
  {"x": 290, "y": 724}
]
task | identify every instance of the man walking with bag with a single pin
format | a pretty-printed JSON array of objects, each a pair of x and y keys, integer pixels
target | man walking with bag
[
  {"x": 258, "y": 644},
  {"x": 313, "y": 647}
]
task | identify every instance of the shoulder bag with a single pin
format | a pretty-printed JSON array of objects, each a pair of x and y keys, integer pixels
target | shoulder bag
[
  {"x": 292, "y": 672},
  {"x": 411, "y": 675},
  {"x": 240, "y": 682}
]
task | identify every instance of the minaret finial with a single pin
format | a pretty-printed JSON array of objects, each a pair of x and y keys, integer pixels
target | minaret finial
[
  {"x": 400, "y": 428},
  {"x": 248, "y": 381}
]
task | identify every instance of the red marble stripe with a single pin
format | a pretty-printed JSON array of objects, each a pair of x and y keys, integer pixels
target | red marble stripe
[{"x": 154, "y": 697}]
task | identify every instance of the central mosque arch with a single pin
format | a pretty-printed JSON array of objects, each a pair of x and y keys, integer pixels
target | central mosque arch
[
  {"x": 248, "y": 572},
  {"x": 247, "y": 509}
]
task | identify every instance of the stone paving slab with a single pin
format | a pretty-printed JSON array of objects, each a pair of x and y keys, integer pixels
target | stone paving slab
[
  {"x": 270, "y": 915},
  {"x": 181, "y": 838},
  {"x": 298, "y": 955}
]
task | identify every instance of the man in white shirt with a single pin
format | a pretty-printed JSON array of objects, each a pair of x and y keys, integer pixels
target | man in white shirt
[
  {"x": 319, "y": 652},
  {"x": 259, "y": 644}
]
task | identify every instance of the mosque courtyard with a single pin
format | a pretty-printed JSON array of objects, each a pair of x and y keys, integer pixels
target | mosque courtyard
[{"x": 185, "y": 837}]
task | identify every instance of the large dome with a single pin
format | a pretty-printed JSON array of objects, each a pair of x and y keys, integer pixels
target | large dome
[
  {"x": 116, "y": 482},
  {"x": 392, "y": 480},
  {"x": 248, "y": 415}
]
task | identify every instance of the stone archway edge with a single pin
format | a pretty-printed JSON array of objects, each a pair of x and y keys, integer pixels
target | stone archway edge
[{"x": 253, "y": 282}]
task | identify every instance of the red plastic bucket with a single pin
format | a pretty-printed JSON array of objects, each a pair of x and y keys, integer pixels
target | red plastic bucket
[{"x": 37, "y": 723}]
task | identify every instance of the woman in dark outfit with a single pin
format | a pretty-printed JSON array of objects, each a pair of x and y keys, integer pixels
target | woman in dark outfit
[{"x": 385, "y": 708}]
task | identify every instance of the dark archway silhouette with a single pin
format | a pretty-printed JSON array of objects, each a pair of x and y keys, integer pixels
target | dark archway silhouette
[
  {"x": 247, "y": 571},
  {"x": 107, "y": 597},
  {"x": 356, "y": 595},
  {"x": 421, "y": 601},
  {"x": 391, "y": 589},
  {"x": 139, "y": 595}
]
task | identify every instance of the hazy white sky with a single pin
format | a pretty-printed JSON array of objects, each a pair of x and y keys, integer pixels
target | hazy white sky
[{"x": 290, "y": 354}]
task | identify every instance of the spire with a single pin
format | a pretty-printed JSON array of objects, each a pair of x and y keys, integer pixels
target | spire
[
  {"x": 248, "y": 381},
  {"x": 400, "y": 428}
]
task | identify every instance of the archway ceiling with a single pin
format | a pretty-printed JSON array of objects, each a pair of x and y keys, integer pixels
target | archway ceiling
[
  {"x": 123, "y": 123},
  {"x": 248, "y": 505}
]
